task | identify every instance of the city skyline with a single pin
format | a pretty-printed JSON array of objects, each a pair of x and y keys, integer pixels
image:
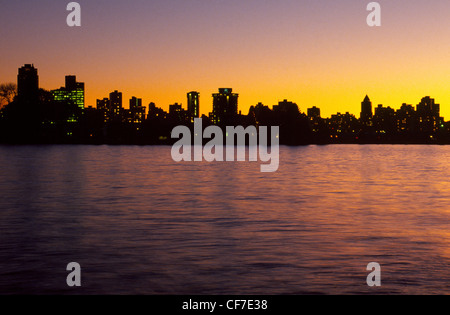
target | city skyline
[
  {"x": 315, "y": 54},
  {"x": 201, "y": 109},
  {"x": 60, "y": 116},
  {"x": 75, "y": 91}
]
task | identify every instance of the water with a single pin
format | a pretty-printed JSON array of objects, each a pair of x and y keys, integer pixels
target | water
[{"x": 139, "y": 223}]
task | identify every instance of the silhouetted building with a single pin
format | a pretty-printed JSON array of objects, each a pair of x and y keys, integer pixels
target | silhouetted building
[
  {"x": 428, "y": 115},
  {"x": 28, "y": 84},
  {"x": 314, "y": 112},
  {"x": 115, "y": 103},
  {"x": 314, "y": 118},
  {"x": 175, "y": 108},
  {"x": 73, "y": 92},
  {"x": 104, "y": 106},
  {"x": 366, "y": 110},
  {"x": 260, "y": 115},
  {"x": 135, "y": 102},
  {"x": 151, "y": 106},
  {"x": 193, "y": 105},
  {"x": 137, "y": 111},
  {"x": 177, "y": 112},
  {"x": 406, "y": 119},
  {"x": 286, "y": 106},
  {"x": 225, "y": 106},
  {"x": 343, "y": 126},
  {"x": 155, "y": 112},
  {"x": 428, "y": 111},
  {"x": 384, "y": 120},
  {"x": 428, "y": 106}
]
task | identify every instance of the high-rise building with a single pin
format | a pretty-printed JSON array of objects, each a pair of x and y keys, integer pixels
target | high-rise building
[
  {"x": 366, "y": 110},
  {"x": 406, "y": 118},
  {"x": 28, "y": 84},
  {"x": 137, "y": 111},
  {"x": 314, "y": 118},
  {"x": 104, "y": 106},
  {"x": 115, "y": 103},
  {"x": 428, "y": 106},
  {"x": 76, "y": 90},
  {"x": 193, "y": 105},
  {"x": 225, "y": 106},
  {"x": 155, "y": 112},
  {"x": 384, "y": 119},
  {"x": 314, "y": 112},
  {"x": 135, "y": 102},
  {"x": 72, "y": 92},
  {"x": 177, "y": 112},
  {"x": 340, "y": 124},
  {"x": 286, "y": 107},
  {"x": 428, "y": 115}
]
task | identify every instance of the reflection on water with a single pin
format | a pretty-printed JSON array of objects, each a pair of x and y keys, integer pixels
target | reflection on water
[{"x": 139, "y": 223}]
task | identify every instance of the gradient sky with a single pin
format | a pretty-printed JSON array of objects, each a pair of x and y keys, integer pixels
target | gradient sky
[{"x": 312, "y": 52}]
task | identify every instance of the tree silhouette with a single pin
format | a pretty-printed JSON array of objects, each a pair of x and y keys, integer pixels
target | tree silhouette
[{"x": 8, "y": 91}]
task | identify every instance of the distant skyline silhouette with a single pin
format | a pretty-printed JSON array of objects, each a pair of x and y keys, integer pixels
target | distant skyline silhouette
[{"x": 59, "y": 116}]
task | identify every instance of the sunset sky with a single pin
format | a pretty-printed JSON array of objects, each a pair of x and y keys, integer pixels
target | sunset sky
[{"x": 312, "y": 52}]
